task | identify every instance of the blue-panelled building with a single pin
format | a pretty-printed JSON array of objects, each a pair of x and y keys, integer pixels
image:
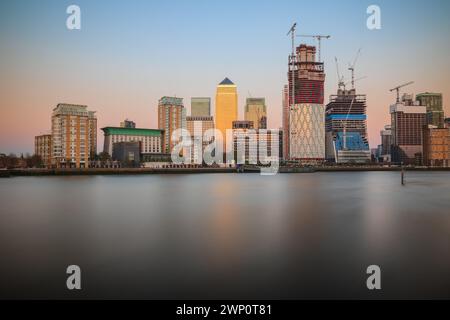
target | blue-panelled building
[{"x": 346, "y": 128}]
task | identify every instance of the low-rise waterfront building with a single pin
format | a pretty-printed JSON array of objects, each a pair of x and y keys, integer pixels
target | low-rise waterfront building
[
  {"x": 436, "y": 146},
  {"x": 151, "y": 140},
  {"x": 127, "y": 153}
]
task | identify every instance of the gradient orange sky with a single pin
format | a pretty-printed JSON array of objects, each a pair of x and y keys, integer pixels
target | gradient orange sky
[{"x": 129, "y": 54}]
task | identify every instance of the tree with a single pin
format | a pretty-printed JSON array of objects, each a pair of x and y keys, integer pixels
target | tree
[{"x": 104, "y": 156}]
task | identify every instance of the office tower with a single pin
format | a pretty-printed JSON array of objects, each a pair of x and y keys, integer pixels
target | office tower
[
  {"x": 226, "y": 107},
  {"x": 171, "y": 116},
  {"x": 307, "y": 112},
  {"x": 285, "y": 122},
  {"x": 151, "y": 140},
  {"x": 407, "y": 121},
  {"x": 255, "y": 110},
  {"x": 346, "y": 128},
  {"x": 200, "y": 107},
  {"x": 249, "y": 140},
  {"x": 43, "y": 148},
  {"x": 435, "y": 111},
  {"x": 447, "y": 123},
  {"x": 386, "y": 142},
  {"x": 197, "y": 126},
  {"x": 127, "y": 124},
  {"x": 436, "y": 146},
  {"x": 74, "y": 136}
]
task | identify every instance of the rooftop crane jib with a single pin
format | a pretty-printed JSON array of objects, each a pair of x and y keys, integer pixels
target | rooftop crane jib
[
  {"x": 319, "y": 39},
  {"x": 351, "y": 67},
  {"x": 398, "y": 89}
]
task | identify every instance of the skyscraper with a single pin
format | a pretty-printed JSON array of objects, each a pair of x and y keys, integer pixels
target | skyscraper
[
  {"x": 226, "y": 107},
  {"x": 307, "y": 112},
  {"x": 346, "y": 127},
  {"x": 435, "y": 111},
  {"x": 200, "y": 107},
  {"x": 407, "y": 121},
  {"x": 171, "y": 116},
  {"x": 74, "y": 136},
  {"x": 255, "y": 110}
]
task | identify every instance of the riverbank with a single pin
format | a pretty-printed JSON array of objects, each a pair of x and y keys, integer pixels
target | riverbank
[{"x": 135, "y": 171}]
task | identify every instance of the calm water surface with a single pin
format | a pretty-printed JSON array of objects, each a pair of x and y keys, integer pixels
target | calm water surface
[{"x": 226, "y": 235}]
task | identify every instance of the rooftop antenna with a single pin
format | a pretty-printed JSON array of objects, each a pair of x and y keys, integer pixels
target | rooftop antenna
[
  {"x": 398, "y": 89},
  {"x": 351, "y": 67},
  {"x": 319, "y": 41}
]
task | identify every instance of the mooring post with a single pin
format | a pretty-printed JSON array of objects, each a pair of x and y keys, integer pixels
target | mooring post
[{"x": 403, "y": 175}]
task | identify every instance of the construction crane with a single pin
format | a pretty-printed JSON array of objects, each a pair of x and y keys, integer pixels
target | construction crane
[
  {"x": 353, "y": 81},
  {"x": 398, "y": 89},
  {"x": 351, "y": 67},
  {"x": 292, "y": 60},
  {"x": 292, "y": 33},
  {"x": 340, "y": 78},
  {"x": 319, "y": 40}
]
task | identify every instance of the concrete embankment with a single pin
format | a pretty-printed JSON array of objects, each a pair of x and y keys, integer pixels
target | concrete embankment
[
  {"x": 108, "y": 171},
  {"x": 136, "y": 171}
]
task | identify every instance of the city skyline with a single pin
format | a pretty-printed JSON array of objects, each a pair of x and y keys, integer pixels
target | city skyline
[{"x": 124, "y": 73}]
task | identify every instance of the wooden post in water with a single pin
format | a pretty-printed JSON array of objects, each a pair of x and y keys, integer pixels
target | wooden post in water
[{"x": 403, "y": 175}]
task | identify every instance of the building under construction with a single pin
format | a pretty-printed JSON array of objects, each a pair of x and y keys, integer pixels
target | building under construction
[
  {"x": 306, "y": 78},
  {"x": 346, "y": 128}
]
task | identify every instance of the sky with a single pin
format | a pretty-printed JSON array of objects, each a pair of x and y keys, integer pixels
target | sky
[{"x": 128, "y": 54}]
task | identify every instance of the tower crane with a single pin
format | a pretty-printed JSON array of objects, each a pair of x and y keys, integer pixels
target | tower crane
[
  {"x": 398, "y": 89},
  {"x": 319, "y": 41},
  {"x": 353, "y": 81},
  {"x": 351, "y": 67},
  {"x": 340, "y": 78}
]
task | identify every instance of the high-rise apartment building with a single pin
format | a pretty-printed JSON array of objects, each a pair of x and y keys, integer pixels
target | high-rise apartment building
[
  {"x": 226, "y": 107},
  {"x": 346, "y": 127},
  {"x": 435, "y": 111},
  {"x": 200, "y": 107},
  {"x": 307, "y": 113},
  {"x": 74, "y": 136},
  {"x": 43, "y": 148},
  {"x": 171, "y": 116},
  {"x": 255, "y": 110},
  {"x": 407, "y": 121}
]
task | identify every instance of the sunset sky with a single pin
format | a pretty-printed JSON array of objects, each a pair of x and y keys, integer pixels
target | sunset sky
[{"x": 130, "y": 53}]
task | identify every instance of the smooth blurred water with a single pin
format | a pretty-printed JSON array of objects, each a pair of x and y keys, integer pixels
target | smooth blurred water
[{"x": 226, "y": 235}]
